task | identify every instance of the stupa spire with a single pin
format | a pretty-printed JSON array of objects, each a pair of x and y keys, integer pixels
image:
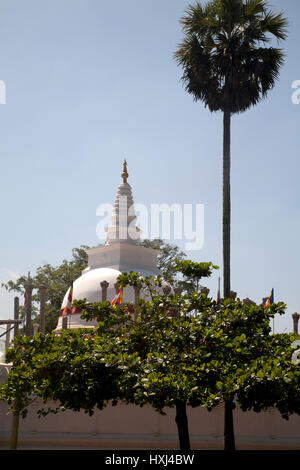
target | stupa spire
[{"x": 123, "y": 227}]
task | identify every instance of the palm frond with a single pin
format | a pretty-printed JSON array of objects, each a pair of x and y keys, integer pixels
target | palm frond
[
  {"x": 223, "y": 62},
  {"x": 254, "y": 7},
  {"x": 275, "y": 25}
]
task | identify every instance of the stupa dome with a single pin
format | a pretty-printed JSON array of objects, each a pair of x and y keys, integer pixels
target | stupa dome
[
  {"x": 88, "y": 286},
  {"x": 121, "y": 253}
]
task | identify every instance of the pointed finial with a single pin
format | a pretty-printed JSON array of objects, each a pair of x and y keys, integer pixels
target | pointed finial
[{"x": 125, "y": 174}]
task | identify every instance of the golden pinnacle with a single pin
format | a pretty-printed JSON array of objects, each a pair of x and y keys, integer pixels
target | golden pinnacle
[{"x": 125, "y": 174}]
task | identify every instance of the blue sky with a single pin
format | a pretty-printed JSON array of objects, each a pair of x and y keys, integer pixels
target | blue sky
[{"x": 90, "y": 82}]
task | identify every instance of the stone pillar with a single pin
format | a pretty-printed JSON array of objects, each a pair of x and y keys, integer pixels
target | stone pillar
[
  {"x": 232, "y": 295},
  {"x": 16, "y": 315},
  {"x": 35, "y": 328},
  {"x": 65, "y": 322},
  {"x": 204, "y": 290},
  {"x": 178, "y": 290},
  {"x": 43, "y": 309},
  {"x": 104, "y": 286},
  {"x": 29, "y": 288},
  {"x": 248, "y": 302},
  {"x": 137, "y": 291},
  {"x": 116, "y": 286},
  {"x": 166, "y": 289},
  {"x": 7, "y": 337},
  {"x": 296, "y": 318}
]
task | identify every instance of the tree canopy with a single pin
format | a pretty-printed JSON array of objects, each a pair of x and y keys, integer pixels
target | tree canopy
[{"x": 169, "y": 350}]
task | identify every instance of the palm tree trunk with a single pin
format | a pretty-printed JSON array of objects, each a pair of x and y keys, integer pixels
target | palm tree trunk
[
  {"x": 228, "y": 421},
  {"x": 226, "y": 204},
  {"x": 182, "y": 425}
]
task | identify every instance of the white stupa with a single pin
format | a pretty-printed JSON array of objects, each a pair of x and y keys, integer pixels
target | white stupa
[{"x": 121, "y": 253}]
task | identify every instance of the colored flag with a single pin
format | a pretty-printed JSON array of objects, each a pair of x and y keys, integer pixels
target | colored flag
[
  {"x": 270, "y": 299},
  {"x": 117, "y": 300},
  {"x": 67, "y": 309}
]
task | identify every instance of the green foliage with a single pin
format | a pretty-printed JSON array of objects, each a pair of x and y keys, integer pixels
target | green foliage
[
  {"x": 165, "y": 350},
  {"x": 201, "y": 358},
  {"x": 193, "y": 272},
  {"x": 75, "y": 369},
  {"x": 273, "y": 379}
]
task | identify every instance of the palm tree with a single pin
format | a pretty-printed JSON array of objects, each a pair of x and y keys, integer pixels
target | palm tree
[{"x": 228, "y": 67}]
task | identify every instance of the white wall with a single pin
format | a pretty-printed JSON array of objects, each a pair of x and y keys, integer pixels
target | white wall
[{"x": 128, "y": 426}]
